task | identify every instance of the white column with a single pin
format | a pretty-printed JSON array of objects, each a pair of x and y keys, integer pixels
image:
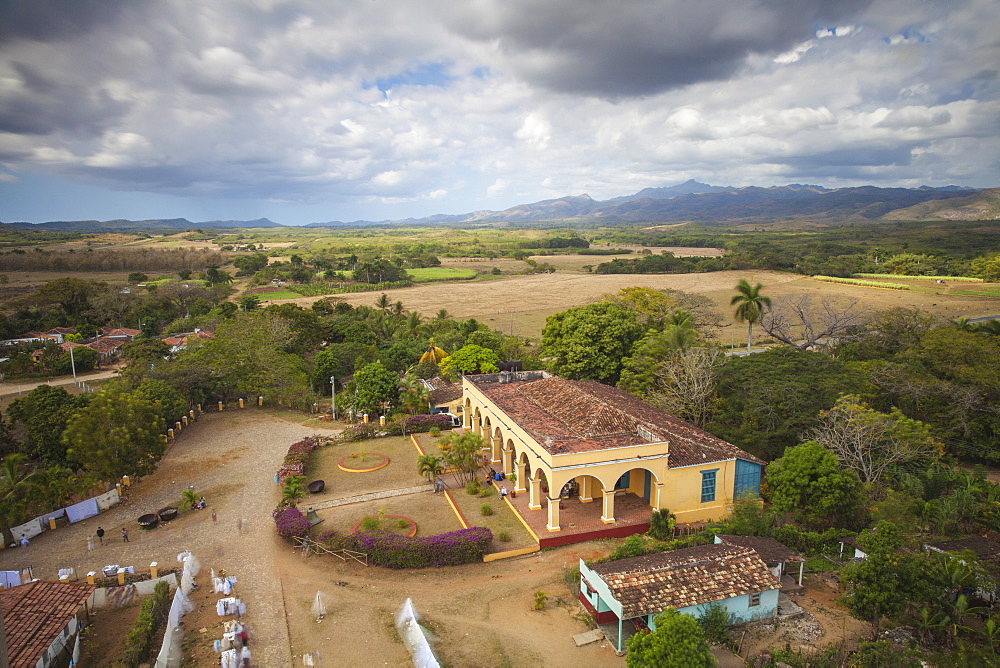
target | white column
[{"x": 586, "y": 488}]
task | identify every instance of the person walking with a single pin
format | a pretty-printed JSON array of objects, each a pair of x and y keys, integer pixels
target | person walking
[
  {"x": 124, "y": 535},
  {"x": 215, "y": 518},
  {"x": 90, "y": 543},
  {"x": 100, "y": 535}
]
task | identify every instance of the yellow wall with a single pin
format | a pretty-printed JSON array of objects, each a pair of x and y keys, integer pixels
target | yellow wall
[{"x": 681, "y": 492}]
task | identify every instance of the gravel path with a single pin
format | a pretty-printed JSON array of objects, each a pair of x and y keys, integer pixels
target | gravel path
[
  {"x": 361, "y": 498},
  {"x": 228, "y": 457}
]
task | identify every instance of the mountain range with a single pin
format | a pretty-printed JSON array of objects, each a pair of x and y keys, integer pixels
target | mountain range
[{"x": 686, "y": 202}]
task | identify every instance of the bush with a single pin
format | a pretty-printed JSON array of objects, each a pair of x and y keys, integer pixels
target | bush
[
  {"x": 486, "y": 509},
  {"x": 715, "y": 621},
  {"x": 139, "y": 642},
  {"x": 370, "y": 524},
  {"x": 434, "y": 431},
  {"x": 390, "y": 550},
  {"x": 291, "y": 523},
  {"x": 810, "y": 542},
  {"x": 421, "y": 423},
  {"x": 540, "y": 598},
  {"x": 472, "y": 488},
  {"x": 297, "y": 457},
  {"x": 661, "y": 524},
  {"x": 503, "y": 537}
]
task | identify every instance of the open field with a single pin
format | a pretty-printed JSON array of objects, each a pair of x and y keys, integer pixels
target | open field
[{"x": 520, "y": 304}]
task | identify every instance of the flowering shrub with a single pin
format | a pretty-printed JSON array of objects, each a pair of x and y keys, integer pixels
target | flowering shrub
[
  {"x": 366, "y": 430},
  {"x": 291, "y": 522},
  {"x": 420, "y": 423},
  {"x": 297, "y": 457},
  {"x": 394, "y": 551}
]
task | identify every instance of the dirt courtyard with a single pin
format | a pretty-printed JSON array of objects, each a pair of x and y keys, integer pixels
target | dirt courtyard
[{"x": 480, "y": 614}]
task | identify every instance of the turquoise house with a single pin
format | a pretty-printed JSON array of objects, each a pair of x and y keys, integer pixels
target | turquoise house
[{"x": 691, "y": 580}]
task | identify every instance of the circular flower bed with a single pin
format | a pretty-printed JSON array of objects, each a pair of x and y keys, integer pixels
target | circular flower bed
[
  {"x": 391, "y": 523},
  {"x": 363, "y": 463}
]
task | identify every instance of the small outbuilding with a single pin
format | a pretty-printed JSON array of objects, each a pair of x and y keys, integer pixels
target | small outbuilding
[
  {"x": 690, "y": 580},
  {"x": 776, "y": 555},
  {"x": 42, "y": 621},
  {"x": 987, "y": 553}
]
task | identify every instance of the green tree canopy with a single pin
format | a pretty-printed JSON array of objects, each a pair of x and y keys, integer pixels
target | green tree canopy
[
  {"x": 677, "y": 642},
  {"x": 590, "y": 342},
  {"x": 811, "y": 484},
  {"x": 767, "y": 399},
  {"x": 116, "y": 434},
  {"x": 376, "y": 389},
  {"x": 170, "y": 403},
  {"x": 41, "y": 416},
  {"x": 471, "y": 358}
]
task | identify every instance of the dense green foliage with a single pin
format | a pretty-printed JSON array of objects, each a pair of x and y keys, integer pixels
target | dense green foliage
[
  {"x": 677, "y": 642},
  {"x": 590, "y": 342},
  {"x": 139, "y": 643}
]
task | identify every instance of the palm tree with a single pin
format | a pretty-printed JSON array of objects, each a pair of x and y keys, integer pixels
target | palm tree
[
  {"x": 383, "y": 302},
  {"x": 750, "y": 305},
  {"x": 16, "y": 477},
  {"x": 190, "y": 498},
  {"x": 430, "y": 466},
  {"x": 294, "y": 490},
  {"x": 413, "y": 395}
]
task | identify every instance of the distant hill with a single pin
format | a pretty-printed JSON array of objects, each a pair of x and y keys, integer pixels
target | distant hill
[
  {"x": 121, "y": 225},
  {"x": 982, "y": 205},
  {"x": 795, "y": 205}
]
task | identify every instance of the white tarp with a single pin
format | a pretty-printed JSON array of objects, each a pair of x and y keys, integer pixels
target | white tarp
[
  {"x": 108, "y": 499},
  {"x": 10, "y": 578},
  {"x": 414, "y": 638},
  {"x": 29, "y": 529},
  {"x": 54, "y": 514},
  {"x": 170, "y": 651},
  {"x": 82, "y": 510}
]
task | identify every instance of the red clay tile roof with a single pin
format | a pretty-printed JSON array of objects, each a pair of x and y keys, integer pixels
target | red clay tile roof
[
  {"x": 106, "y": 345},
  {"x": 443, "y": 392},
  {"x": 678, "y": 579},
  {"x": 770, "y": 550},
  {"x": 580, "y": 416},
  {"x": 35, "y": 613}
]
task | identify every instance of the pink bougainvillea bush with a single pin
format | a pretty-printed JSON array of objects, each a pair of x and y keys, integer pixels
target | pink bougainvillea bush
[
  {"x": 291, "y": 523},
  {"x": 297, "y": 458},
  {"x": 390, "y": 550}
]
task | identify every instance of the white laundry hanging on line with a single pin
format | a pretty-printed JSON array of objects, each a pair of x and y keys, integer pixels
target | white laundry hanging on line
[
  {"x": 230, "y": 659},
  {"x": 230, "y": 606}
]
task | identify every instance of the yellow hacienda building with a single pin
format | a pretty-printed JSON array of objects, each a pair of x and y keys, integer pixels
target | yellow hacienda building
[{"x": 581, "y": 442}]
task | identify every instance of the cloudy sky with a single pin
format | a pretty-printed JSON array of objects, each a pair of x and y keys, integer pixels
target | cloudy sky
[{"x": 306, "y": 111}]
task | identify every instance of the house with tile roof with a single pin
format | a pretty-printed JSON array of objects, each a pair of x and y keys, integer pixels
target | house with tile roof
[
  {"x": 444, "y": 396},
  {"x": 776, "y": 555},
  {"x": 583, "y": 442},
  {"x": 42, "y": 621},
  {"x": 690, "y": 580}
]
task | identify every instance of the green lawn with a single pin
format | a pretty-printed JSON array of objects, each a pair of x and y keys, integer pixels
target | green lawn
[
  {"x": 278, "y": 294},
  {"x": 440, "y": 274}
]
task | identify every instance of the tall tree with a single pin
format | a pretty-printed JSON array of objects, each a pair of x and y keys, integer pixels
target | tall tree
[
  {"x": 376, "y": 391},
  {"x": 870, "y": 442},
  {"x": 750, "y": 305},
  {"x": 117, "y": 434},
  {"x": 810, "y": 483},
  {"x": 471, "y": 358},
  {"x": 590, "y": 342},
  {"x": 41, "y": 416}
]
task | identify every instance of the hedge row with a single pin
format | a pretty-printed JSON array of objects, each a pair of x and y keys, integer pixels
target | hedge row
[
  {"x": 862, "y": 283},
  {"x": 810, "y": 542},
  {"x": 139, "y": 641},
  {"x": 421, "y": 423},
  {"x": 390, "y": 550},
  {"x": 923, "y": 278},
  {"x": 297, "y": 457}
]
